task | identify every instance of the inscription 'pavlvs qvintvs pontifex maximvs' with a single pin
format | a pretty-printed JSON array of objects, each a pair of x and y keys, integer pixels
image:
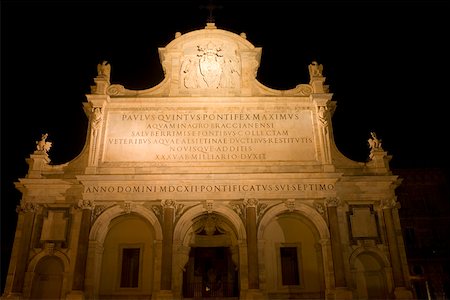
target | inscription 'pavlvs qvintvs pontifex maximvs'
[{"x": 205, "y": 136}]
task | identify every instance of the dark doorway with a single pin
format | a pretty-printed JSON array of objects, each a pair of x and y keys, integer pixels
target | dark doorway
[{"x": 210, "y": 272}]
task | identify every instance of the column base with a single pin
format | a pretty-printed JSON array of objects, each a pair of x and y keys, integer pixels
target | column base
[
  {"x": 252, "y": 294},
  {"x": 75, "y": 295},
  {"x": 403, "y": 293},
  {"x": 163, "y": 295}
]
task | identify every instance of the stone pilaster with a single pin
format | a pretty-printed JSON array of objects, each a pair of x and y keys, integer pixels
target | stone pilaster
[
  {"x": 19, "y": 258},
  {"x": 336, "y": 247},
  {"x": 167, "y": 244},
  {"x": 392, "y": 242},
  {"x": 83, "y": 244},
  {"x": 252, "y": 245}
]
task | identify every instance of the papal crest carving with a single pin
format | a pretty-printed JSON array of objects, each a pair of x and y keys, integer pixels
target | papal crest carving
[{"x": 211, "y": 66}]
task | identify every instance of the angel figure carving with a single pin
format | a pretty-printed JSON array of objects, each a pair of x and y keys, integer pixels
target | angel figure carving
[{"x": 43, "y": 145}]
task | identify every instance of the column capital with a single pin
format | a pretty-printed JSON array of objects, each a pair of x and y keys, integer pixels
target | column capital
[
  {"x": 86, "y": 204},
  {"x": 252, "y": 202},
  {"x": 27, "y": 206},
  {"x": 332, "y": 201},
  {"x": 390, "y": 203},
  {"x": 167, "y": 203}
]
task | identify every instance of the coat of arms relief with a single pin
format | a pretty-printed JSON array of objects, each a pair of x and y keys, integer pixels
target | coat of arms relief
[{"x": 210, "y": 66}]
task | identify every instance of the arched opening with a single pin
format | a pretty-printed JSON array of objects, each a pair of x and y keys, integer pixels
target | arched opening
[
  {"x": 48, "y": 279},
  {"x": 127, "y": 259},
  {"x": 292, "y": 258},
  {"x": 211, "y": 270},
  {"x": 370, "y": 278}
]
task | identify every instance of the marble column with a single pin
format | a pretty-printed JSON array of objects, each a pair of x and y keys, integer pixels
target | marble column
[
  {"x": 167, "y": 244},
  {"x": 22, "y": 245},
  {"x": 252, "y": 245},
  {"x": 83, "y": 244},
  {"x": 336, "y": 247}
]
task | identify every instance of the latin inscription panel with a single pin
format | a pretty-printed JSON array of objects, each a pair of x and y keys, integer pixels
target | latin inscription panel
[{"x": 206, "y": 136}]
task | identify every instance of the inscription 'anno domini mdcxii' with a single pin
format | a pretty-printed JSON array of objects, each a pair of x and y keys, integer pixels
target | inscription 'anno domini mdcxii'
[{"x": 209, "y": 136}]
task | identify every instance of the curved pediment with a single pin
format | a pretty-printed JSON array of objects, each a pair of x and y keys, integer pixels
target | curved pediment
[
  {"x": 205, "y": 62},
  {"x": 210, "y": 61}
]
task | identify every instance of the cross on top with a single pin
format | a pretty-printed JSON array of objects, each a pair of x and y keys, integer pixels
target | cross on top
[{"x": 210, "y": 7}]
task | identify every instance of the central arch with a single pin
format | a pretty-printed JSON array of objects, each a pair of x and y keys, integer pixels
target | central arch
[{"x": 207, "y": 253}]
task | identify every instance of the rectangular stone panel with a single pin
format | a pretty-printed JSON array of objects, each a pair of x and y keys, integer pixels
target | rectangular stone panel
[{"x": 228, "y": 135}]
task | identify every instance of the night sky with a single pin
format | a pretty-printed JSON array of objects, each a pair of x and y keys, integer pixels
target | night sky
[{"x": 386, "y": 63}]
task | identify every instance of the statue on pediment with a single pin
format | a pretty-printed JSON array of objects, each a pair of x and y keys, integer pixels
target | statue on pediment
[
  {"x": 43, "y": 145},
  {"x": 104, "y": 70},
  {"x": 315, "y": 69},
  {"x": 374, "y": 142}
]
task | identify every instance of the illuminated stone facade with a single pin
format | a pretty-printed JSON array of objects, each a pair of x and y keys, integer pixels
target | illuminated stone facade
[{"x": 209, "y": 184}]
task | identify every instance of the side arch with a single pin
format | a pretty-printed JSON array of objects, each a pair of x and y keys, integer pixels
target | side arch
[
  {"x": 371, "y": 273},
  {"x": 301, "y": 208},
  {"x": 100, "y": 227},
  {"x": 49, "y": 275},
  {"x": 98, "y": 234}
]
